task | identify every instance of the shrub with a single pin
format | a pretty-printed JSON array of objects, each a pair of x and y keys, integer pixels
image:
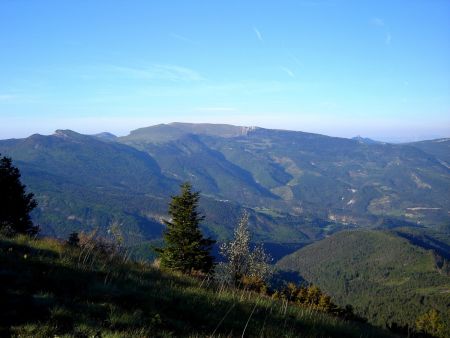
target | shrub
[
  {"x": 431, "y": 323},
  {"x": 243, "y": 266}
]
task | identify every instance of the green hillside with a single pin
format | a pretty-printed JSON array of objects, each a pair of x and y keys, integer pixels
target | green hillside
[
  {"x": 297, "y": 187},
  {"x": 384, "y": 276},
  {"x": 336, "y": 179},
  {"x": 162, "y": 133},
  {"x": 341, "y": 179},
  {"x": 188, "y": 158},
  {"x": 439, "y": 148},
  {"x": 49, "y": 289},
  {"x": 81, "y": 182}
]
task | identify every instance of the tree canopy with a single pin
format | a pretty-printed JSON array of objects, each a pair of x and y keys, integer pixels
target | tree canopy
[
  {"x": 185, "y": 248},
  {"x": 15, "y": 203}
]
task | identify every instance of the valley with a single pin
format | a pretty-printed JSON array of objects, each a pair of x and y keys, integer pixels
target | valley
[
  {"x": 378, "y": 272},
  {"x": 298, "y": 187},
  {"x": 367, "y": 222}
]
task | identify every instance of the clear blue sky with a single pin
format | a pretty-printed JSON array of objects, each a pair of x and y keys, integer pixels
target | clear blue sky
[{"x": 376, "y": 68}]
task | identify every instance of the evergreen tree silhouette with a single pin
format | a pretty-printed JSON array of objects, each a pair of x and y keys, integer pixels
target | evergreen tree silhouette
[
  {"x": 15, "y": 203},
  {"x": 186, "y": 249}
]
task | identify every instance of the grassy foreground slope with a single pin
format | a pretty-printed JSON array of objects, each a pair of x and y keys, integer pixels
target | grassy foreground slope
[
  {"x": 50, "y": 289},
  {"x": 385, "y": 277}
]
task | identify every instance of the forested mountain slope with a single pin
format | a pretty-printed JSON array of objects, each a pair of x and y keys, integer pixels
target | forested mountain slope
[
  {"x": 82, "y": 183},
  {"x": 384, "y": 276},
  {"x": 336, "y": 179},
  {"x": 297, "y": 187}
]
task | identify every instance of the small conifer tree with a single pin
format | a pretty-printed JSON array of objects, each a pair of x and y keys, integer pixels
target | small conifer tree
[
  {"x": 73, "y": 240},
  {"x": 15, "y": 203},
  {"x": 186, "y": 249}
]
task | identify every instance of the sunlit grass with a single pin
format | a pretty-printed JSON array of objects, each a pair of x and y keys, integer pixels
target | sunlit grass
[{"x": 52, "y": 292}]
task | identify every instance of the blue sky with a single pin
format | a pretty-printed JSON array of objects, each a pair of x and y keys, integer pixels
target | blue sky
[{"x": 376, "y": 68}]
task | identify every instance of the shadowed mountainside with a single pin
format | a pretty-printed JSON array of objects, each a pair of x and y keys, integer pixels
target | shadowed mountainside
[
  {"x": 385, "y": 277},
  {"x": 297, "y": 186},
  {"x": 49, "y": 289}
]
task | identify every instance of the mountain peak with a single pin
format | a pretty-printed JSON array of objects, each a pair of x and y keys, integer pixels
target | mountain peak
[
  {"x": 68, "y": 134},
  {"x": 221, "y": 130},
  {"x": 105, "y": 136},
  {"x": 365, "y": 140},
  {"x": 162, "y": 133},
  {"x": 65, "y": 133},
  {"x": 440, "y": 140}
]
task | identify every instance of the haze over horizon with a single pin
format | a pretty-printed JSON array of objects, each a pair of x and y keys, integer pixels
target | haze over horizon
[
  {"x": 94, "y": 132},
  {"x": 339, "y": 68}
]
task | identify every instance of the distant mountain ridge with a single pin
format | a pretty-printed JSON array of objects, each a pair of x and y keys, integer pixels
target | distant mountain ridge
[
  {"x": 172, "y": 131},
  {"x": 297, "y": 186},
  {"x": 440, "y": 148},
  {"x": 106, "y": 136},
  {"x": 366, "y": 140}
]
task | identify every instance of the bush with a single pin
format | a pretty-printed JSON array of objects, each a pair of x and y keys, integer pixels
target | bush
[
  {"x": 431, "y": 323},
  {"x": 243, "y": 266},
  {"x": 312, "y": 297}
]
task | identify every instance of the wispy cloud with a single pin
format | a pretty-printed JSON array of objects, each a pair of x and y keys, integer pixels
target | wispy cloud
[
  {"x": 172, "y": 73},
  {"x": 223, "y": 90},
  {"x": 258, "y": 34},
  {"x": 7, "y": 97},
  {"x": 377, "y": 22},
  {"x": 296, "y": 59},
  {"x": 137, "y": 71},
  {"x": 182, "y": 38},
  {"x": 388, "y": 38},
  {"x": 288, "y": 71},
  {"x": 215, "y": 109}
]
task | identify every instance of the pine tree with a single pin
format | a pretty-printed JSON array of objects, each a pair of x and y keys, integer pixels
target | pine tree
[
  {"x": 186, "y": 249},
  {"x": 15, "y": 203},
  {"x": 73, "y": 240}
]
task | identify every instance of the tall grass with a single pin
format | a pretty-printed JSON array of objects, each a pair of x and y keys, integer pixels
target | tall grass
[{"x": 51, "y": 289}]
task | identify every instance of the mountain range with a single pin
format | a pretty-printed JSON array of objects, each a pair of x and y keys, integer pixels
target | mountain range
[
  {"x": 298, "y": 187},
  {"x": 367, "y": 221}
]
